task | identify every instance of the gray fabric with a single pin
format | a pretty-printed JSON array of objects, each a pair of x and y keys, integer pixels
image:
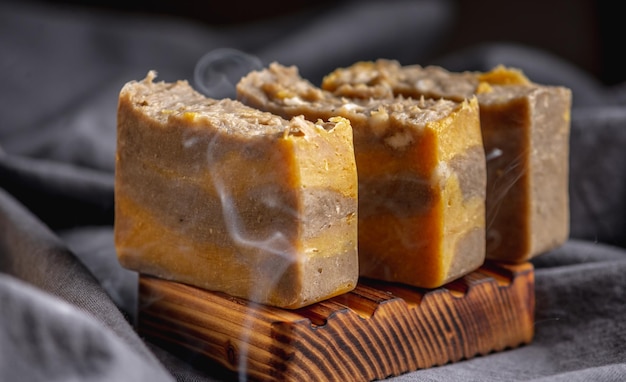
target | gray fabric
[{"x": 67, "y": 308}]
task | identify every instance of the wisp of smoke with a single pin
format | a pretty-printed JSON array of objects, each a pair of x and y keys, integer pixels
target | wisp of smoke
[{"x": 216, "y": 74}]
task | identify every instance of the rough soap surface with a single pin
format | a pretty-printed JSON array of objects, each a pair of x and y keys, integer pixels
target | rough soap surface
[
  {"x": 228, "y": 198},
  {"x": 525, "y": 129},
  {"x": 421, "y": 169}
]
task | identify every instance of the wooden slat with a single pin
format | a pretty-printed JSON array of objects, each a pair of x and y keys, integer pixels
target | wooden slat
[{"x": 376, "y": 331}]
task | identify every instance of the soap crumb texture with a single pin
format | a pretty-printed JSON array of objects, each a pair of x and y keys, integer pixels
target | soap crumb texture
[
  {"x": 231, "y": 199},
  {"x": 421, "y": 170},
  {"x": 525, "y": 128}
]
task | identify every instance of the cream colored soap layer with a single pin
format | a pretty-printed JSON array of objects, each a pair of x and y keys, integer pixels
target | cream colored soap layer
[
  {"x": 230, "y": 199},
  {"x": 421, "y": 219},
  {"x": 525, "y": 129}
]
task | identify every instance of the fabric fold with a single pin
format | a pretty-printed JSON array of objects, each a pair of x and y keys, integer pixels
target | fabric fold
[{"x": 33, "y": 254}]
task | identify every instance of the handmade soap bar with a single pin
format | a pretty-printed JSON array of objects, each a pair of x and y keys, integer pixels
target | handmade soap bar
[
  {"x": 228, "y": 198},
  {"x": 525, "y": 129},
  {"x": 421, "y": 170}
]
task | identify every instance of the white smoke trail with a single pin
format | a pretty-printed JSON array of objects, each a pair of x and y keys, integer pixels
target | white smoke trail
[
  {"x": 276, "y": 243},
  {"x": 216, "y": 74}
]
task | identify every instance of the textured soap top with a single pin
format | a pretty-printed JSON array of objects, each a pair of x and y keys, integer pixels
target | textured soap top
[
  {"x": 283, "y": 87},
  {"x": 385, "y": 78},
  {"x": 163, "y": 101}
]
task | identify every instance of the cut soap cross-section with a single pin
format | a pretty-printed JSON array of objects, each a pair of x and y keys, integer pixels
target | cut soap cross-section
[
  {"x": 225, "y": 197},
  {"x": 421, "y": 170},
  {"x": 525, "y": 129}
]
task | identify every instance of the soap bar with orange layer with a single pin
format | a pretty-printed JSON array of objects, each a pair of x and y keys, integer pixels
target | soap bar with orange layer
[
  {"x": 421, "y": 170},
  {"x": 525, "y": 129},
  {"x": 228, "y": 198}
]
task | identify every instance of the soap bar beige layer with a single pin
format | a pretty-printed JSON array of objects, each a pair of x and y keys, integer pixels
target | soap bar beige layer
[
  {"x": 232, "y": 199},
  {"x": 421, "y": 171},
  {"x": 525, "y": 129}
]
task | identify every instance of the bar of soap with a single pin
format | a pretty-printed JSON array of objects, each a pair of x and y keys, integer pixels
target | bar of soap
[
  {"x": 525, "y": 129},
  {"x": 231, "y": 199},
  {"x": 421, "y": 170}
]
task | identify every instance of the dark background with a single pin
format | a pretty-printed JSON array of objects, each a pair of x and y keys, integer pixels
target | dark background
[{"x": 584, "y": 32}]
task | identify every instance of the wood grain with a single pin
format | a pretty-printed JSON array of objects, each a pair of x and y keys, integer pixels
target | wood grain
[{"x": 376, "y": 331}]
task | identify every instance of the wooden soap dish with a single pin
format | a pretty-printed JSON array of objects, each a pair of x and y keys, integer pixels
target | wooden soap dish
[{"x": 376, "y": 331}]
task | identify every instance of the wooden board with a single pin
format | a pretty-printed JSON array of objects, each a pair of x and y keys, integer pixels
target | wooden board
[{"x": 376, "y": 331}]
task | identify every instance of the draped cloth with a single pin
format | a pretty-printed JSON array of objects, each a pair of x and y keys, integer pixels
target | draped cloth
[{"x": 68, "y": 310}]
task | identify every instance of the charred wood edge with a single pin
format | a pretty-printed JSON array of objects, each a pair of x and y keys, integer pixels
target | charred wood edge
[{"x": 377, "y": 330}]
